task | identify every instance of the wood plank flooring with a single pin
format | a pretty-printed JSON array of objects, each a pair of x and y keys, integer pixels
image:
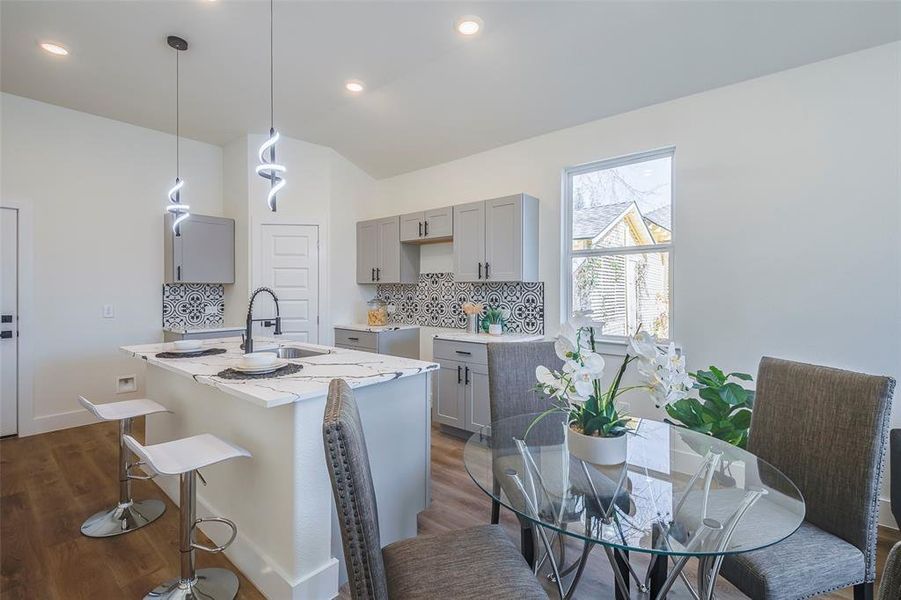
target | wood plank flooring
[{"x": 50, "y": 483}]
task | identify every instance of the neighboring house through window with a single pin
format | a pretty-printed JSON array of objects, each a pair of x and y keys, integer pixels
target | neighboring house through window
[{"x": 618, "y": 220}]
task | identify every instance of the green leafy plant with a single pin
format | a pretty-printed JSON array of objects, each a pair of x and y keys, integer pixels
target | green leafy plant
[
  {"x": 723, "y": 409},
  {"x": 495, "y": 316}
]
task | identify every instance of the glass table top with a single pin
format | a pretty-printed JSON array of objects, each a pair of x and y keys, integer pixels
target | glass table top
[{"x": 679, "y": 492}]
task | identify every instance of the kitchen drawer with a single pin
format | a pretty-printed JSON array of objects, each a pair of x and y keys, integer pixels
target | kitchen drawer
[
  {"x": 361, "y": 340},
  {"x": 465, "y": 351}
]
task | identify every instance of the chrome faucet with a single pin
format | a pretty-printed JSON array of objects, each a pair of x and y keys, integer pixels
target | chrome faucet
[{"x": 269, "y": 322}]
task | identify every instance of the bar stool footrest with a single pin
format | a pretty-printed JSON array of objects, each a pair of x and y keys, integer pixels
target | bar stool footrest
[{"x": 215, "y": 549}]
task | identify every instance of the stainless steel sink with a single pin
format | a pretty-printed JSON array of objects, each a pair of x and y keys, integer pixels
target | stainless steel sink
[{"x": 293, "y": 352}]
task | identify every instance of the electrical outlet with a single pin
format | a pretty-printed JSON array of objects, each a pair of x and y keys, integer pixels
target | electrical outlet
[
  {"x": 126, "y": 384},
  {"x": 109, "y": 311}
]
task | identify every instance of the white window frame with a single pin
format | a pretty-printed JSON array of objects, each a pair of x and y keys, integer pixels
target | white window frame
[{"x": 567, "y": 225}]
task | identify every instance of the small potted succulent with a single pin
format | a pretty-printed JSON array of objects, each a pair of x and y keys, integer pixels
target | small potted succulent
[
  {"x": 495, "y": 320},
  {"x": 597, "y": 431}
]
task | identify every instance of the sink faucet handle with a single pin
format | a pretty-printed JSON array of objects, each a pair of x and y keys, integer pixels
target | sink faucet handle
[{"x": 278, "y": 326}]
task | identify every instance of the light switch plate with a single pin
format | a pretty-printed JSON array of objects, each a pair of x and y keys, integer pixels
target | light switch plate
[{"x": 109, "y": 312}]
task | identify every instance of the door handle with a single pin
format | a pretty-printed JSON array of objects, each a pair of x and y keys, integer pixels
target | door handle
[
  {"x": 459, "y": 376},
  {"x": 466, "y": 382},
  {"x": 427, "y": 229},
  {"x": 5, "y": 335},
  {"x": 420, "y": 229},
  {"x": 486, "y": 270},
  {"x": 480, "y": 270}
]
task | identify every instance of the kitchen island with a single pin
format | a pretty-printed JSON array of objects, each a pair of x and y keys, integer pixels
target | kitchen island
[{"x": 288, "y": 543}]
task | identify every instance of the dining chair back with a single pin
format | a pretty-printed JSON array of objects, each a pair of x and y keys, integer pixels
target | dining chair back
[
  {"x": 511, "y": 377},
  {"x": 358, "y": 517},
  {"x": 827, "y": 430}
]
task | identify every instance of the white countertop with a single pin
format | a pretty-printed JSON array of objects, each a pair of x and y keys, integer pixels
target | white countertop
[
  {"x": 484, "y": 338},
  {"x": 359, "y": 369},
  {"x": 376, "y": 328},
  {"x": 216, "y": 329}
]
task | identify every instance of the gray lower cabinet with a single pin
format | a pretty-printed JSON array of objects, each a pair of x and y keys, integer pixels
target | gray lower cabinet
[
  {"x": 203, "y": 253},
  {"x": 462, "y": 391},
  {"x": 399, "y": 342}
]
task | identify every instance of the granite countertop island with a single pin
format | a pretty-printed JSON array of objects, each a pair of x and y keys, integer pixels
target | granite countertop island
[
  {"x": 288, "y": 543},
  {"x": 359, "y": 369}
]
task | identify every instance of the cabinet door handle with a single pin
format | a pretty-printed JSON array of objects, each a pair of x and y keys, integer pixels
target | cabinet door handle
[
  {"x": 178, "y": 273},
  {"x": 378, "y": 274},
  {"x": 427, "y": 229},
  {"x": 480, "y": 270},
  {"x": 466, "y": 382},
  {"x": 486, "y": 270},
  {"x": 420, "y": 229},
  {"x": 373, "y": 274},
  {"x": 459, "y": 376}
]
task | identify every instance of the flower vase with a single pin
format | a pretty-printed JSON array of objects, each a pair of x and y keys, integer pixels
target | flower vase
[
  {"x": 472, "y": 323},
  {"x": 597, "y": 450},
  {"x": 495, "y": 329}
]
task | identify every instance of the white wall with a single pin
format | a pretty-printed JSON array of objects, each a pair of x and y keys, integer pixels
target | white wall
[
  {"x": 97, "y": 192},
  {"x": 787, "y": 211}
]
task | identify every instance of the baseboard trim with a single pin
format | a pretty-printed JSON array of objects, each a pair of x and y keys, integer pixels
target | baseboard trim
[
  {"x": 55, "y": 422},
  {"x": 269, "y": 579}
]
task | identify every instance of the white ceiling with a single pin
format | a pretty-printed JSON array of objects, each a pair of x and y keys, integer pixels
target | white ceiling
[{"x": 431, "y": 95}]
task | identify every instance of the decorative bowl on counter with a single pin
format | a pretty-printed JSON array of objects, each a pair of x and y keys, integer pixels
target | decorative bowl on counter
[
  {"x": 258, "y": 360},
  {"x": 187, "y": 345}
]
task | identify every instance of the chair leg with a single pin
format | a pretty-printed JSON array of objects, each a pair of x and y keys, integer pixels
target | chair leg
[
  {"x": 621, "y": 559},
  {"x": 863, "y": 591},
  {"x": 527, "y": 545},
  {"x": 495, "y": 505}
]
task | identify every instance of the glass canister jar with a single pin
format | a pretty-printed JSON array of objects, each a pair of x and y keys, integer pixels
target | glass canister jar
[{"x": 377, "y": 312}]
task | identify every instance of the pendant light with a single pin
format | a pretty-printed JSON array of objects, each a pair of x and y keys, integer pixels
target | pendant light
[
  {"x": 268, "y": 168},
  {"x": 175, "y": 205}
]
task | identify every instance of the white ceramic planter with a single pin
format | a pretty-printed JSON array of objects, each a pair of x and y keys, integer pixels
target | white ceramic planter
[
  {"x": 598, "y": 450},
  {"x": 495, "y": 329}
]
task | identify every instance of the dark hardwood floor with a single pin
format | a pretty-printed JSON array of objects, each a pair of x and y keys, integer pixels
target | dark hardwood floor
[{"x": 50, "y": 483}]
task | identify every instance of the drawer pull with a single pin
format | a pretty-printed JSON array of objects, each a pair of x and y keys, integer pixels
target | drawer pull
[
  {"x": 354, "y": 339},
  {"x": 464, "y": 353}
]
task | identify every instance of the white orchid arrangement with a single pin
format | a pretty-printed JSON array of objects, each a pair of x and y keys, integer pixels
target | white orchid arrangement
[{"x": 576, "y": 389}]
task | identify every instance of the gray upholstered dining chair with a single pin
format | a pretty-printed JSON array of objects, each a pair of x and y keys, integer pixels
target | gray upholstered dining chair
[
  {"x": 890, "y": 586},
  {"x": 479, "y": 562},
  {"x": 511, "y": 383},
  {"x": 827, "y": 430}
]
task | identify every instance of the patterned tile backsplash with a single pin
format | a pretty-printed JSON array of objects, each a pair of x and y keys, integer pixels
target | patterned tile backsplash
[
  {"x": 437, "y": 301},
  {"x": 193, "y": 304}
]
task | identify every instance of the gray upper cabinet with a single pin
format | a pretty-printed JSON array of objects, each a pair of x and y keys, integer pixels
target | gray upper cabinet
[
  {"x": 381, "y": 258},
  {"x": 497, "y": 240},
  {"x": 436, "y": 225},
  {"x": 203, "y": 253}
]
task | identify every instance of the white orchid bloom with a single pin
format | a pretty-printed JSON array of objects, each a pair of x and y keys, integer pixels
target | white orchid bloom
[
  {"x": 564, "y": 347},
  {"x": 644, "y": 346},
  {"x": 571, "y": 366},
  {"x": 547, "y": 379},
  {"x": 583, "y": 381},
  {"x": 594, "y": 363}
]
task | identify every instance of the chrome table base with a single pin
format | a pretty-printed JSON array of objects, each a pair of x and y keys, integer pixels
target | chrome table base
[
  {"x": 127, "y": 516},
  {"x": 208, "y": 584}
]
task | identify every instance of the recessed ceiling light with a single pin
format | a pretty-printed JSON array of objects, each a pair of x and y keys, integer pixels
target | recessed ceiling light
[
  {"x": 54, "y": 48},
  {"x": 354, "y": 86},
  {"x": 468, "y": 25}
]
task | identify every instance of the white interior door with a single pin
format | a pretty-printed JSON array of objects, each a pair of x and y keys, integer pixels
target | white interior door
[
  {"x": 9, "y": 339},
  {"x": 290, "y": 266}
]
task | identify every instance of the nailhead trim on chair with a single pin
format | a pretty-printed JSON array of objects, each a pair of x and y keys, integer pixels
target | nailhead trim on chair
[{"x": 872, "y": 530}]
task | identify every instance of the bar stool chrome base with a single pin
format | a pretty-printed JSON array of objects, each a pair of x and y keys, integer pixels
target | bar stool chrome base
[
  {"x": 209, "y": 584},
  {"x": 127, "y": 516}
]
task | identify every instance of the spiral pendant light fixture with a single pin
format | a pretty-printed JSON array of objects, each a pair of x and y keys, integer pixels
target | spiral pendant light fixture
[
  {"x": 175, "y": 205},
  {"x": 268, "y": 167}
]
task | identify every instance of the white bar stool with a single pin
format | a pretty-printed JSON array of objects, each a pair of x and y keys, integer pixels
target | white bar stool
[
  {"x": 183, "y": 457},
  {"x": 129, "y": 514}
]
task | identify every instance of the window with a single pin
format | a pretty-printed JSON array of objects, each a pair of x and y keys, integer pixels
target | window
[{"x": 618, "y": 223}]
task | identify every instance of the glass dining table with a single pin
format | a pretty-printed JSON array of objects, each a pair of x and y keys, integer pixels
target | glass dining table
[{"x": 679, "y": 495}]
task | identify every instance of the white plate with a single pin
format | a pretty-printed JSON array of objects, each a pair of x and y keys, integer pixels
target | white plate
[
  {"x": 189, "y": 351},
  {"x": 278, "y": 364}
]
